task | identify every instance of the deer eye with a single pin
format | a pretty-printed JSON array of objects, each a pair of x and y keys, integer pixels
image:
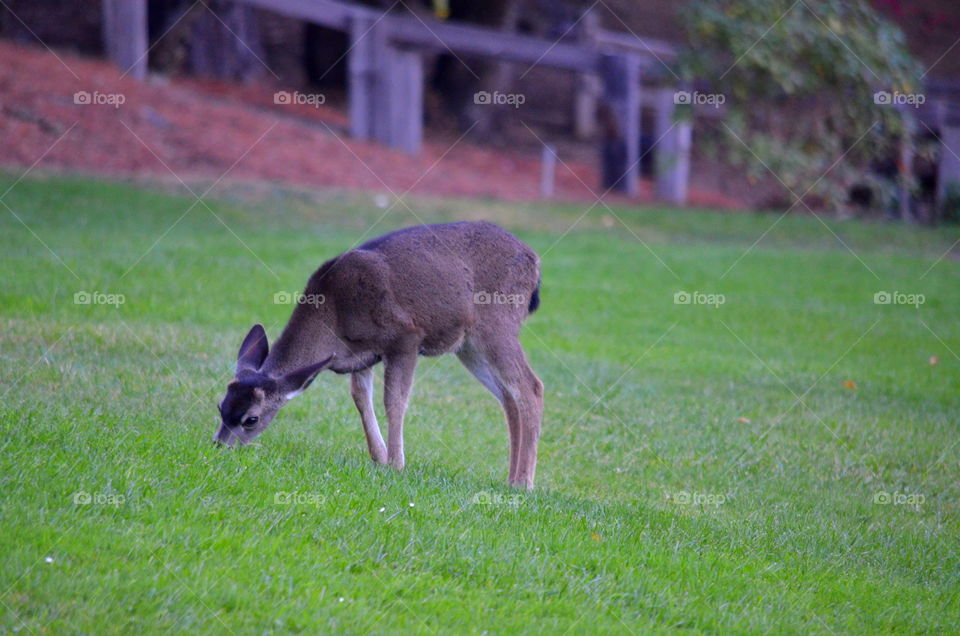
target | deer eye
[{"x": 250, "y": 422}]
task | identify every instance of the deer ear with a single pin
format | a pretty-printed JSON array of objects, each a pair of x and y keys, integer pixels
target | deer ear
[
  {"x": 254, "y": 350},
  {"x": 296, "y": 382}
]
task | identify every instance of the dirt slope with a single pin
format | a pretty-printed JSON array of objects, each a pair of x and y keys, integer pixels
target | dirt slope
[{"x": 198, "y": 129}]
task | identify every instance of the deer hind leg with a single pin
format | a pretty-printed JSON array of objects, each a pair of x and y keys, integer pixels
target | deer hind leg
[
  {"x": 397, "y": 381},
  {"x": 475, "y": 362},
  {"x": 361, "y": 388},
  {"x": 522, "y": 399}
]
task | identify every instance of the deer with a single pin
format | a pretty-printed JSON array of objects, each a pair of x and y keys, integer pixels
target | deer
[{"x": 463, "y": 288}]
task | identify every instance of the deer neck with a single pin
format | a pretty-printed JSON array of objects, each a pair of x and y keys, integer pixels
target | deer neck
[{"x": 308, "y": 338}]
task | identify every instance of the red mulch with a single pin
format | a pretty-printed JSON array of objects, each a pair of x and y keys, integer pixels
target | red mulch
[{"x": 201, "y": 129}]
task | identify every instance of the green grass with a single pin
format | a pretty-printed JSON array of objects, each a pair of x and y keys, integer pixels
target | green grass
[{"x": 741, "y": 408}]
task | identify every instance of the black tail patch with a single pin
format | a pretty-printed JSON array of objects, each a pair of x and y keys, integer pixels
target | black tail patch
[{"x": 534, "y": 299}]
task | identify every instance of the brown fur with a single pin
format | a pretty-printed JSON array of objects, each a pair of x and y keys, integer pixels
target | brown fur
[{"x": 418, "y": 291}]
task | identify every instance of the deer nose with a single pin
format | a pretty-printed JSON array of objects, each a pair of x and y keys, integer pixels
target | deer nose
[{"x": 223, "y": 437}]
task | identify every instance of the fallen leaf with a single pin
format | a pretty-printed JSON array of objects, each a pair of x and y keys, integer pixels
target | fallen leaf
[
  {"x": 743, "y": 420},
  {"x": 595, "y": 537},
  {"x": 850, "y": 384}
]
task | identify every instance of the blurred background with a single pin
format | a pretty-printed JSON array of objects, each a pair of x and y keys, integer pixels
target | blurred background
[
  {"x": 747, "y": 217},
  {"x": 846, "y": 107}
]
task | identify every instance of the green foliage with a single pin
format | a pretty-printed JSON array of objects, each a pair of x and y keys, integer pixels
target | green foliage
[
  {"x": 800, "y": 80},
  {"x": 702, "y": 468}
]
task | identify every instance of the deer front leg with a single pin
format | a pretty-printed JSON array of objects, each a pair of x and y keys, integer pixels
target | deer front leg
[
  {"x": 397, "y": 378},
  {"x": 361, "y": 388}
]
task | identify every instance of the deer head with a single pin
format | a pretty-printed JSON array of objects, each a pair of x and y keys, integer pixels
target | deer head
[{"x": 253, "y": 397}]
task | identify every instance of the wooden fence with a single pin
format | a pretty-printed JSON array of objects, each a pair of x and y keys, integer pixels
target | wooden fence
[
  {"x": 385, "y": 76},
  {"x": 385, "y": 82}
]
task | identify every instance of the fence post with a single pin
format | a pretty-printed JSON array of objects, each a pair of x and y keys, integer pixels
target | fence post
[
  {"x": 125, "y": 35},
  {"x": 620, "y": 75},
  {"x": 948, "y": 172},
  {"x": 548, "y": 169},
  {"x": 588, "y": 85},
  {"x": 385, "y": 85},
  {"x": 402, "y": 107},
  {"x": 362, "y": 76},
  {"x": 671, "y": 150}
]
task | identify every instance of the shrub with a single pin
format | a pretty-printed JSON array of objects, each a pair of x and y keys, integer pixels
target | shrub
[{"x": 805, "y": 86}]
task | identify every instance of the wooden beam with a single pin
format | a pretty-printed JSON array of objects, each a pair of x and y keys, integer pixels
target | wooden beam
[
  {"x": 439, "y": 36},
  {"x": 635, "y": 44},
  {"x": 588, "y": 84},
  {"x": 483, "y": 42},
  {"x": 548, "y": 170},
  {"x": 385, "y": 86},
  {"x": 125, "y": 35},
  {"x": 336, "y": 15},
  {"x": 404, "y": 99},
  {"x": 362, "y": 76}
]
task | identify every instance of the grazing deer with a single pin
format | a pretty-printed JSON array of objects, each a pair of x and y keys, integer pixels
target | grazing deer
[{"x": 426, "y": 290}]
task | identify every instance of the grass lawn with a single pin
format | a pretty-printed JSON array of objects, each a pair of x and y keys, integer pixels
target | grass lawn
[{"x": 782, "y": 460}]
